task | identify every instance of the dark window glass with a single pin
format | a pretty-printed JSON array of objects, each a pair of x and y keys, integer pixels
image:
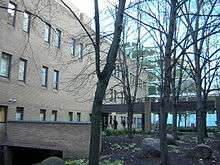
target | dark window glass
[
  {"x": 55, "y": 79},
  {"x": 12, "y": 7},
  {"x": 44, "y": 76},
  {"x": 58, "y": 38},
  {"x": 73, "y": 47},
  {"x": 43, "y": 115},
  {"x": 47, "y": 31},
  {"x": 22, "y": 70},
  {"x": 3, "y": 114},
  {"x": 54, "y": 115},
  {"x": 70, "y": 116},
  {"x": 19, "y": 113},
  {"x": 26, "y": 21},
  {"x": 5, "y": 64},
  {"x": 78, "y": 117},
  {"x": 80, "y": 51}
]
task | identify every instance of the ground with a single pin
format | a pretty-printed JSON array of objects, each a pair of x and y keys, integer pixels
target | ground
[{"x": 122, "y": 148}]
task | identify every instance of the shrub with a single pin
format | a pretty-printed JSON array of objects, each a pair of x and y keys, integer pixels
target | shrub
[
  {"x": 112, "y": 132},
  {"x": 84, "y": 162},
  {"x": 76, "y": 162}
]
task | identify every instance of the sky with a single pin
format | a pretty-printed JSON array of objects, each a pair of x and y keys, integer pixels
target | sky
[{"x": 87, "y": 6}]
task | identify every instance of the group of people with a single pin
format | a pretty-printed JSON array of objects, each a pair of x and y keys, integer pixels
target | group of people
[{"x": 115, "y": 123}]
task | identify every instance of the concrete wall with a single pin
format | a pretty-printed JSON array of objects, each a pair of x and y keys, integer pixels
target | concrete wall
[{"x": 71, "y": 138}]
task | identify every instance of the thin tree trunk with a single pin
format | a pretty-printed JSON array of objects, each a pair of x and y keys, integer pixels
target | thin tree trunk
[
  {"x": 103, "y": 79},
  {"x": 180, "y": 116},
  {"x": 163, "y": 137},
  {"x": 176, "y": 98},
  {"x": 165, "y": 102},
  {"x": 175, "y": 122},
  {"x": 96, "y": 124},
  {"x": 130, "y": 121}
]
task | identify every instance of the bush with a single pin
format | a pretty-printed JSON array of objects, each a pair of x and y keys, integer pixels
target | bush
[
  {"x": 112, "y": 132},
  {"x": 84, "y": 162},
  {"x": 190, "y": 129},
  {"x": 76, "y": 162},
  {"x": 111, "y": 162}
]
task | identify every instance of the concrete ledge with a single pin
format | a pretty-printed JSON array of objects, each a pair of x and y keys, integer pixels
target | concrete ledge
[{"x": 48, "y": 122}]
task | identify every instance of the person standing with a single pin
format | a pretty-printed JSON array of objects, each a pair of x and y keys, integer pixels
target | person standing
[
  {"x": 115, "y": 123},
  {"x": 123, "y": 123}
]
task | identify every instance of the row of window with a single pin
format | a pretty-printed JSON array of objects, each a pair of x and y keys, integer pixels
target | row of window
[
  {"x": 12, "y": 7},
  {"x": 43, "y": 113},
  {"x": 118, "y": 74},
  {"x": 44, "y": 78},
  {"x": 5, "y": 67},
  {"x": 114, "y": 96}
]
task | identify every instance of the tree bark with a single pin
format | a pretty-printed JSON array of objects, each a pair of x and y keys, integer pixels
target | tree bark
[
  {"x": 165, "y": 102},
  {"x": 94, "y": 152},
  {"x": 103, "y": 80}
]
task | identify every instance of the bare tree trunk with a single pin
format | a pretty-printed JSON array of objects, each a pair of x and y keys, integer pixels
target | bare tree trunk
[
  {"x": 130, "y": 120},
  {"x": 96, "y": 123},
  {"x": 175, "y": 122},
  {"x": 103, "y": 79},
  {"x": 165, "y": 103},
  {"x": 176, "y": 98},
  {"x": 180, "y": 116}
]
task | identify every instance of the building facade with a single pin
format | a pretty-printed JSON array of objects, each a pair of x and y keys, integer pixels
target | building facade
[{"x": 47, "y": 78}]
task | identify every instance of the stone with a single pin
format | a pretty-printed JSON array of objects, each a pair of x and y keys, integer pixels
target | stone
[
  {"x": 201, "y": 151},
  {"x": 170, "y": 139},
  {"x": 150, "y": 147},
  {"x": 217, "y": 135},
  {"x": 53, "y": 161}
]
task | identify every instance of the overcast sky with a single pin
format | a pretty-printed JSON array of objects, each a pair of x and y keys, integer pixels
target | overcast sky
[{"x": 87, "y": 6}]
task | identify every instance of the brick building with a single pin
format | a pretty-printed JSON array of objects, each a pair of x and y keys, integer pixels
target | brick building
[{"x": 47, "y": 79}]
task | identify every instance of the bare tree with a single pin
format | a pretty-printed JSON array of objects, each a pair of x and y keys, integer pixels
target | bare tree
[{"x": 201, "y": 20}]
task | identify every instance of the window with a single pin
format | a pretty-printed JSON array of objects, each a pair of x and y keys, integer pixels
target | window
[
  {"x": 73, "y": 47},
  {"x": 122, "y": 97},
  {"x": 12, "y": 13},
  {"x": 44, "y": 76},
  {"x": 111, "y": 95},
  {"x": 19, "y": 113},
  {"x": 43, "y": 115},
  {"x": 80, "y": 51},
  {"x": 54, "y": 115},
  {"x": 78, "y": 117},
  {"x": 5, "y": 63},
  {"x": 3, "y": 112},
  {"x": 115, "y": 96},
  {"x": 22, "y": 70},
  {"x": 26, "y": 21},
  {"x": 47, "y": 31},
  {"x": 58, "y": 38},
  {"x": 70, "y": 116},
  {"x": 55, "y": 79},
  {"x": 117, "y": 71}
]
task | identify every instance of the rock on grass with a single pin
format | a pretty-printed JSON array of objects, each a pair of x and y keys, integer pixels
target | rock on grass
[
  {"x": 52, "y": 161},
  {"x": 201, "y": 151}
]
